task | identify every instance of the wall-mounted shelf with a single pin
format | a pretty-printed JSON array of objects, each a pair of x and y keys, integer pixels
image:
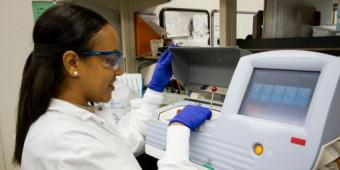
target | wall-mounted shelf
[
  {"x": 151, "y": 58},
  {"x": 329, "y": 45}
]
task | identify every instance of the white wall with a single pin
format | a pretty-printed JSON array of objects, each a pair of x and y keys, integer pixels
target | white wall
[
  {"x": 2, "y": 154},
  {"x": 15, "y": 44},
  {"x": 250, "y": 5}
]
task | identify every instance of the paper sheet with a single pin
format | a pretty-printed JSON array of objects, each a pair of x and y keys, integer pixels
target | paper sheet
[
  {"x": 187, "y": 28},
  {"x": 127, "y": 88},
  {"x": 134, "y": 81},
  {"x": 177, "y": 23}
]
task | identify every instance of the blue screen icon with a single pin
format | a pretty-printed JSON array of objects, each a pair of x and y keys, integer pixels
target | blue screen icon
[
  {"x": 266, "y": 92},
  {"x": 278, "y": 93},
  {"x": 302, "y": 96},
  {"x": 289, "y": 95},
  {"x": 255, "y": 91}
]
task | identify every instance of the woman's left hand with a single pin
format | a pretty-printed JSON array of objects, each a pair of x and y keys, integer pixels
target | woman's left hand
[{"x": 192, "y": 117}]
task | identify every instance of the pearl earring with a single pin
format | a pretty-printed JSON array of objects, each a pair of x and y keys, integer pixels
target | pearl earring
[{"x": 75, "y": 73}]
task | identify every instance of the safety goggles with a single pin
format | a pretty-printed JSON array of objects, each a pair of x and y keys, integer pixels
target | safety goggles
[{"x": 113, "y": 59}]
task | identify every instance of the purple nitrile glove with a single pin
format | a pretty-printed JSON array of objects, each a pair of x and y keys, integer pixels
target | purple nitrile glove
[
  {"x": 163, "y": 71},
  {"x": 192, "y": 116}
]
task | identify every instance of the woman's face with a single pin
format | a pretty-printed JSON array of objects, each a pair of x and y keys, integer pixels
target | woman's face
[{"x": 97, "y": 80}]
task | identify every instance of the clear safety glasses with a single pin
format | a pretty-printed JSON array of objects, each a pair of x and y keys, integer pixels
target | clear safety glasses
[{"x": 113, "y": 59}]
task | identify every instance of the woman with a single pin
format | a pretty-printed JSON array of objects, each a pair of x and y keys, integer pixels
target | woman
[{"x": 74, "y": 62}]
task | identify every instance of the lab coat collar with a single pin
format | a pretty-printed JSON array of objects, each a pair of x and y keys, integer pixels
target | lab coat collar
[
  {"x": 69, "y": 108},
  {"x": 66, "y": 108}
]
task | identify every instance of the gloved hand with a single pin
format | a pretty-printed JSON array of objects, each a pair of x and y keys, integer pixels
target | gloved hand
[
  {"x": 192, "y": 116},
  {"x": 163, "y": 71}
]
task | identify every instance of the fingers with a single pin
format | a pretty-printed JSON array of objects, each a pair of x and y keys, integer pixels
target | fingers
[
  {"x": 209, "y": 115},
  {"x": 164, "y": 55},
  {"x": 173, "y": 46},
  {"x": 201, "y": 109},
  {"x": 207, "y": 112},
  {"x": 192, "y": 116},
  {"x": 167, "y": 59}
]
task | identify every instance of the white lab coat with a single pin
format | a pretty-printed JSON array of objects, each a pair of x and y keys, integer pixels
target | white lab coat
[{"x": 67, "y": 137}]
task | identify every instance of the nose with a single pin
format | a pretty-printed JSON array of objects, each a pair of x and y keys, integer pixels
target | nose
[{"x": 119, "y": 71}]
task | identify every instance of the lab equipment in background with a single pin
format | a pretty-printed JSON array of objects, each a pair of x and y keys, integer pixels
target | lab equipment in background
[
  {"x": 281, "y": 108},
  {"x": 202, "y": 63},
  {"x": 196, "y": 68}
]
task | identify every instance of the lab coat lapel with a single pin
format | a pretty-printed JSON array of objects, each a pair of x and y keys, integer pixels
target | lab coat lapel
[{"x": 67, "y": 108}]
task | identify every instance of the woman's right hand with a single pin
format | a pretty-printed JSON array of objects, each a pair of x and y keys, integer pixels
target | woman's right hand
[
  {"x": 163, "y": 71},
  {"x": 192, "y": 117}
]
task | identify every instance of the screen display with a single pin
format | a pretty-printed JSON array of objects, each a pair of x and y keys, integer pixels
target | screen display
[{"x": 279, "y": 95}]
